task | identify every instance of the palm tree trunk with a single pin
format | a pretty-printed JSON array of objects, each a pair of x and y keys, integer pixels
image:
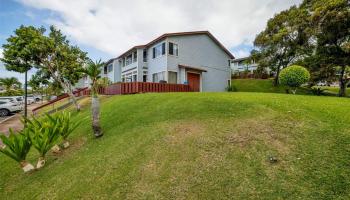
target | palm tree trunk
[{"x": 95, "y": 109}]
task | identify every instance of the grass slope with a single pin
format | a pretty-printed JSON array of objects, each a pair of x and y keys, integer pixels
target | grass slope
[
  {"x": 257, "y": 85},
  {"x": 199, "y": 146},
  {"x": 266, "y": 86}
]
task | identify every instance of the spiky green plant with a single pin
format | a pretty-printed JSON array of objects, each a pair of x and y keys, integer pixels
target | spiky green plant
[
  {"x": 17, "y": 146},
  {"x": 44, "y": 133},
  {"x": 67, "y": 126}
]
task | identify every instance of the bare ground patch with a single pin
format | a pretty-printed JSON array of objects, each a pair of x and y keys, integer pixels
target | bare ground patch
[{"x": 191, "y": 152}]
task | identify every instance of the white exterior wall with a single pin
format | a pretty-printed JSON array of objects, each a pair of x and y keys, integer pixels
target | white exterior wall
[
  {"x": 116, "y": 71},
  {"x": 195, "y": 51},
  {"x": 156, "y": 65},
  {"x": 202, "y": 52}
]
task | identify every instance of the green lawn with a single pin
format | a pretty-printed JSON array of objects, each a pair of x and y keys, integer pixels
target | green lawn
[
  {"x": 266, "y": 86},
  {"x": 257, "y": 85},
  {"x": 199, "y": 146}
]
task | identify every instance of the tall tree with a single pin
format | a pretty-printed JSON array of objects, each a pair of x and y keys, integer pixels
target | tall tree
[
  {"x": 61, "y": 60},
  {"x": 20, "y": 52},
  {"x": 10, "y": 83},
  {"x": 93, "y": 71},
  {"x": 283, "y": 41},
  {"x": 331, "y": 24}
]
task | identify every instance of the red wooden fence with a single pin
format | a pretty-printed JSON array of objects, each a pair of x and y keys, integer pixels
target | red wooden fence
[
  {"x": 77, "y": 93},
  {"x": 124, "y": 88},
  {"x": 144, "y": 87}
]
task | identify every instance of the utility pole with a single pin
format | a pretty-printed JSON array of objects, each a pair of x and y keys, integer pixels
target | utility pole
[{"x": 25, "y": 94}]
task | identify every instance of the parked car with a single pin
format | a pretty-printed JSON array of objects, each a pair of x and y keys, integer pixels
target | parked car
[
  {"x": 8, "y": 106},
  {"x": 13, "y": 99},
  {"x": 36, "y": 98},
  {"x": 30, "y": 100}
]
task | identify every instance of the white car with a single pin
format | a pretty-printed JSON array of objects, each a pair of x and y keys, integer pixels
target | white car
[
  {"x": 30, "y": 100},
  {"x": 8, "y": 106},
  {"x": 13, "y": 99}
]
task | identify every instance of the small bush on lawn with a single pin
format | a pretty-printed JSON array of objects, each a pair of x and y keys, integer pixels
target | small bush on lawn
[
  {"x": 231, "y": 88},
  {"x": 44, "y": 134},
  {"x": 294, "y": 76},
  {"x": 66, "y": 126},
  {"x": 17, "y": 146}
]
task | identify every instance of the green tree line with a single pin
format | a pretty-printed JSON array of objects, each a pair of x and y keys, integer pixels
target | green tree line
[{"x": 315, "y": 34}]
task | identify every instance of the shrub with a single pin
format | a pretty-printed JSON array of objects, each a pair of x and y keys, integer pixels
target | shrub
[
  {"x": 318, "y": 91},
  {"x": 66, "y": 126},
  {"x": 294, "y": 76},
  {"x": 44, "y": 134},
  {"x": 231, "y": 88},
  {"x": 17, "y": 146}
]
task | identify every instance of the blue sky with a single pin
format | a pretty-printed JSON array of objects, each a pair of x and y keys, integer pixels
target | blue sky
[{"x": 106, "y": 28}]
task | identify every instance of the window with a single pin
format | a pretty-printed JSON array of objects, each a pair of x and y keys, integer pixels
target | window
[
  {"x": 157, "y": 77},
  {"x": 144, "y": 78},
  {"x": 135, "y": 56},
  {"x": 172, "y": 77},
  {"x": 173, "y": 49},
  {"x": 110, "y": 67},
  {"x": 159, "y": 50},
  {"x": 134, "y": 78},
  {"x": 105, "y": 70},
  {"x": 128, "y": 60},
  {"x": 144, "y": 55}
]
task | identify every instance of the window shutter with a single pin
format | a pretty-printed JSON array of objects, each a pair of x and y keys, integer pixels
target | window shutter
[
  {"x": 163, "y": 48},
  {"x": 154, "y": 52}
]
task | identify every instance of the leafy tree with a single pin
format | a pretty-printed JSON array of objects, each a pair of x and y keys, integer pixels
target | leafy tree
[
  {"x": 284, "y": 40},
  {"x": 17, "y": 146},
  {"x": 61, "y": 61},
  {"x": 10, "y": 83},
  {"x": 294, "y": 76},
  {"x": 21, "y": 50},
  {"x": 51, "y": 54},
  {"x": 330, "y": 21},
  {"x": 93, "y": 71}
]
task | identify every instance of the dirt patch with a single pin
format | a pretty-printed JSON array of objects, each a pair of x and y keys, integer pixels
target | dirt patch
[
  {"x": 182, "y": 131},
  {"x": 263, "y": 130}
]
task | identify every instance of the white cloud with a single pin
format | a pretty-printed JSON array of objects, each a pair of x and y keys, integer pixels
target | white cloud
[
  {"x": 241, "y": 53},
  {"x": 1, "y": 50},
  {"x": 114, "y": 26}
]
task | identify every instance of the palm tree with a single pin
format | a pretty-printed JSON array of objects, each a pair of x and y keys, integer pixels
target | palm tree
[
  {"x": 10, "y": 83},
  {"x": 93, "y": 71}
]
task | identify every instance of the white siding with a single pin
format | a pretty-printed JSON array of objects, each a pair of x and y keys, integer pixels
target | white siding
[
  {"x": 158, "y": 64},
  {"x": 201, "y": 51}
]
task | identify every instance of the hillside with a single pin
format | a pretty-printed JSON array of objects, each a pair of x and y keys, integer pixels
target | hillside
[
  {"x": 266, "y": 86},
  {"x": 199, "y": 146}
]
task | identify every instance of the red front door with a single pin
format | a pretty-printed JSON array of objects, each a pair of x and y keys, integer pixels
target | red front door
[{"x": 194, "y": 81}]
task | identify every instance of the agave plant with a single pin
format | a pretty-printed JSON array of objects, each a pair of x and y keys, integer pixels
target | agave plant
[
  {"x": 17, "y": 146},
  {"x": 44, "y": 134}
]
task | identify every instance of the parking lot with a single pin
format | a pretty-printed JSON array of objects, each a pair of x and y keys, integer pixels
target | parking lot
[{"x": 14, "y": 120}]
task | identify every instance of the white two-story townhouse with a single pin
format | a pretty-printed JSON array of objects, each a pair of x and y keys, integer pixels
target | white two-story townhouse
[
  {"x": 194, "y": 58},
  {"x": 243, "y": 64}
]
